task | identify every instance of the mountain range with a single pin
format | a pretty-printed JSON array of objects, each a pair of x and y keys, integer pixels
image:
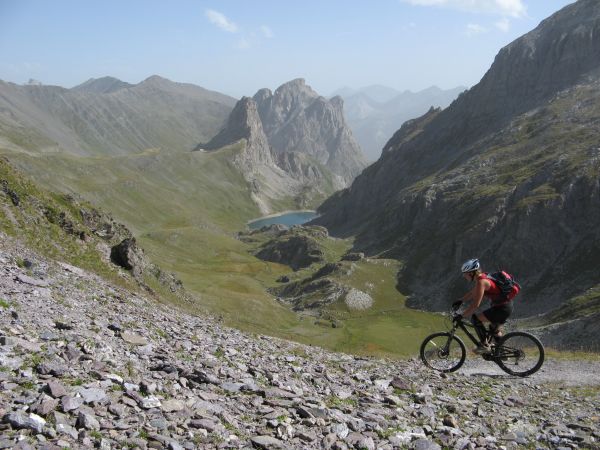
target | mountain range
[
  {"x": 509, "y": 172},
  {"x": 375, "y": 112},
  {"x": 106, "y": 116}
]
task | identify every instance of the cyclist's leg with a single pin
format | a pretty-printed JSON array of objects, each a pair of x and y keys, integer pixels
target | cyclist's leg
[
  {"x": 497, "y": 316},
  {"x": 478, "y": 321}
]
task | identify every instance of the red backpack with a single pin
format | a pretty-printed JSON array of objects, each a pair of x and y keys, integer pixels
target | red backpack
[{"x": 509, "y": 288}]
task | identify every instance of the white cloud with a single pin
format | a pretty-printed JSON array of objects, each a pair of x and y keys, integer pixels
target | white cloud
[
  {"x": 267, "y": 32},
  {"x": 243, "y": 43},
  {"x": 512, "y": 8},
  {"x": 474, "y": 29},
  {"x": 221, "y": 21},
  {"x": 503, "y": 24}
]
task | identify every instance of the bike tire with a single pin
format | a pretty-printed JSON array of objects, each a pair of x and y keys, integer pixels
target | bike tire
[
  {"x": 519, "y": 353},
  {"x": 434, "y": 354}
]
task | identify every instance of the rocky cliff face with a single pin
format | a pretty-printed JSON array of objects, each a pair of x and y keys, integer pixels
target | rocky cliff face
[
  {"x": 296, "y": 144},
  {"x": 509, "y": 172},
  {"x": 110, "y": 117},
  {"x": 244, "y": 123},
  {"x": 297, "y": 119}
]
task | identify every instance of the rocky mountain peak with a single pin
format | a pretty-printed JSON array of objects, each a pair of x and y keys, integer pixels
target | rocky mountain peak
[
  {"x": 155, "y": 80},
  {"x": 104, "y": 85},
  {"x": 262, "y": 95},
  {"x": 244, "y": 123},
  {"x": 337, "y": 102},
  {"x": 297, "y": 119}
]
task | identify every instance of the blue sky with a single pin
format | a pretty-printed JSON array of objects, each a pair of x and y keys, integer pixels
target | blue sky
[{"x": 239, "y": 46}]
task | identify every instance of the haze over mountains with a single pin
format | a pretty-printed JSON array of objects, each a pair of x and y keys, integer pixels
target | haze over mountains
[
  {"x": 375, "y": 112},
  {"x": 509, "y": 172}
]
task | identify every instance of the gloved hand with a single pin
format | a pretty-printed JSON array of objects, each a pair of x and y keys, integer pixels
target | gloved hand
[
  {"x": 456, "y": 304},
  {"x": 457, "y": 317}
]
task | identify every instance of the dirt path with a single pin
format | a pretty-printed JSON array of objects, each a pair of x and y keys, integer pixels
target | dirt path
[{"x": 569, "y": 373}]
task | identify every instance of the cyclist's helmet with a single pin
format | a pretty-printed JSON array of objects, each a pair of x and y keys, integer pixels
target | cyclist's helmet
[{"x": 470, "y": 265}]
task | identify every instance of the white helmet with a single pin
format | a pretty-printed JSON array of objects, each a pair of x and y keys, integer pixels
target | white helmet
[{"x": 470, "y": 265}]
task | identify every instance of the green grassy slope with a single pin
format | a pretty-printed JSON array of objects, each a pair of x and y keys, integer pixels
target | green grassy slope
[{"x": 185, "y": 210}]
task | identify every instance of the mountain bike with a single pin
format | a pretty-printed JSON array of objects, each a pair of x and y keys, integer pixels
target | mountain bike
[{"x": 517, "y": 353}]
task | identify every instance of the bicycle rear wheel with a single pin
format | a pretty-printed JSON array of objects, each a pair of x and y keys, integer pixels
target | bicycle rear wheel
[
  {"x": 443, "y": 352},
  {"x": 519, "y": 353}
]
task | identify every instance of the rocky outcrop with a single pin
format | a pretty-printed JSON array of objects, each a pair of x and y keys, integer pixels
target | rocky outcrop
[
  {"x": 86, "y": 364},
  {"x": 128, "y": 255},
  {"x": 296, "y": 251},
  {"x": 508, "y": 171},
  {"x": 296, "y": 119},
  {"x": 244, "y": 123},
  {"x": 297, "y": 247}
]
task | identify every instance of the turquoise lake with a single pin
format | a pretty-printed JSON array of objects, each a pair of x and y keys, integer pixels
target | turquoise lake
[{"x": 288, "y": 219}]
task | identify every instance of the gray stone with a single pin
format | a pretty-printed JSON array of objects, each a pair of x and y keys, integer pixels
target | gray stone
[
  {"x": 56, "y": 389},
  {"x": 70, "y": 403},
  {"x": 360, "y": 441},
  {"x": 87, "y": 420},
  {"x": 32, "y": 281},
  {"x": 92, "y": 395},
  {"x": 232, "y": 387},
  {"x": 425, "y": 444},
  {"x": 6, "y": 443},
  {"x": 159, "y": 423},
  {"x": 150, "y": 402},
  {"x": 45, "y": 405},
  {"x": 133, "y": 338},
  {"x": 340, "y": 429},
  {"x": 267, "y": 442},
  {"x": 20, "y": 420},
  {"x": 172, "y": 405}
]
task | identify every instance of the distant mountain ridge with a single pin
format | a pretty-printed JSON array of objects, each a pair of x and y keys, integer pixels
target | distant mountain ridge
[
  {"x": 110, "y": 117},
  {"x": 375, "y": 112},
  {"x": 508, "y": 172},
  {"x": 104, "y": 85}
]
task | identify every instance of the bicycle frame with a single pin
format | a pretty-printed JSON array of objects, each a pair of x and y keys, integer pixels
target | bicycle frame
[
  {"x": 498, "y": 352},
  {"x": 456, "y": 324}
]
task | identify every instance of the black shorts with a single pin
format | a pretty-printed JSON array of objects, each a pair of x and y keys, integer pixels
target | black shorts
[{"x": 498, "y": 314}]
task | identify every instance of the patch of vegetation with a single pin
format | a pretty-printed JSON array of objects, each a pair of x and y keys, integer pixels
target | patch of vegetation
[
  {"x": 96, "y": 435},
  {"x": 334, "y": 401},
  {"x": 28, "y": 385}
]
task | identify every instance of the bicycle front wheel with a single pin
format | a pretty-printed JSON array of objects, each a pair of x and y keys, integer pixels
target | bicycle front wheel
[
  {"x": 443, "y": 352},
  {"x": 520, "y": 354}
]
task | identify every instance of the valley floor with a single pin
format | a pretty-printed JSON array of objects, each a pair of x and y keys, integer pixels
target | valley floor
[{"x": 86, "y": 364}]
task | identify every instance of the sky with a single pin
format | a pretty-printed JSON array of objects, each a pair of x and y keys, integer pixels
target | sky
[{"x": 239, "y": 46}]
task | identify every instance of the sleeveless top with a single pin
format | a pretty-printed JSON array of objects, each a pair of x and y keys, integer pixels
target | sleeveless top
[{"x": 493, "y": 292}]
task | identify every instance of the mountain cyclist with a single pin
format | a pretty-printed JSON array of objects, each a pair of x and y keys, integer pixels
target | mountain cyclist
[{"x": 498, "y": 312}]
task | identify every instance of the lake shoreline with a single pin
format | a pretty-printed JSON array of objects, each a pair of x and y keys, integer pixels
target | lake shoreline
[{"x": 282, "y": 213}]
